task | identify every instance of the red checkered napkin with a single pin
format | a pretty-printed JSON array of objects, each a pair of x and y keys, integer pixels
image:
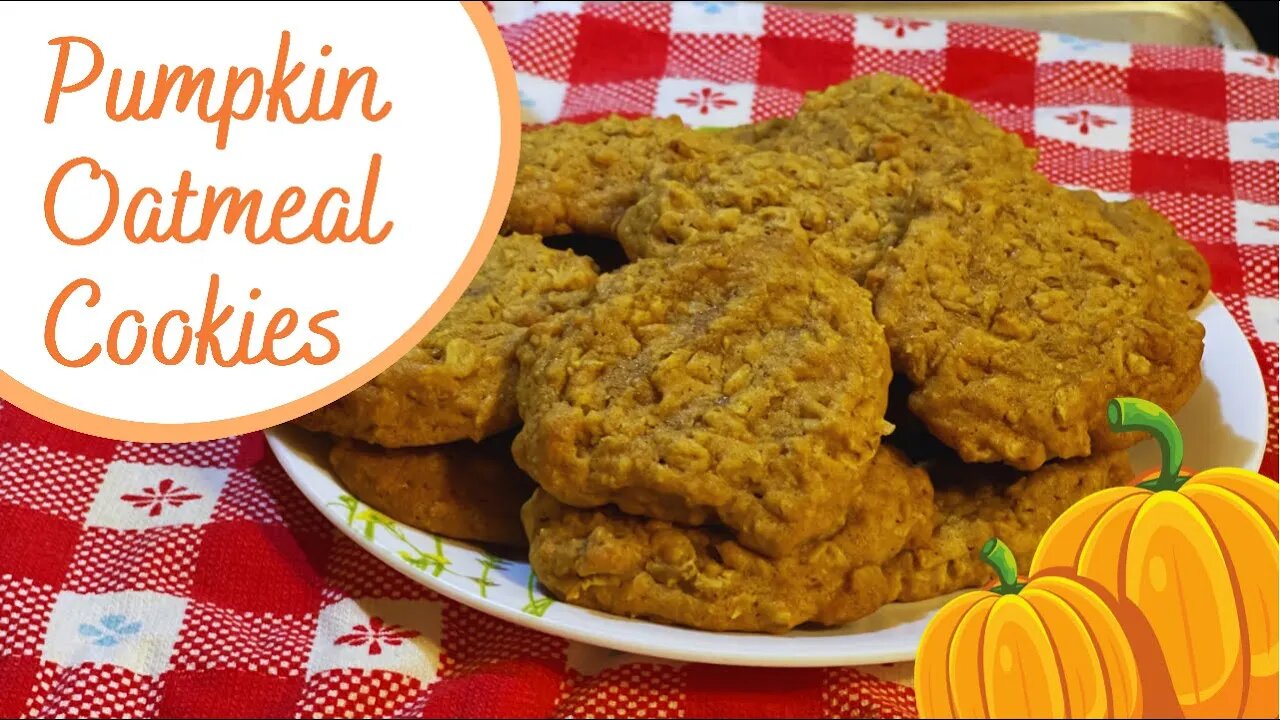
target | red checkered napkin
[{"x": 194, "y": 580}]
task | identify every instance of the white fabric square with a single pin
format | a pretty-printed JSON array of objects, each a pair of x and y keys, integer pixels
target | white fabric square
[
  {"x": 1249, "y": 63},
  {"x": 896, "y": 33},
  {"x": 1253, "y": 140},
  {"x": 134, "y": 496},
  {"x": 730, "y": 18},
  {"x": 700, "y": 103},
  {"x": 511, "y": 13},
  {"x": 564, "y": 7},
  {"x": 1056, "y": 47},
  {"x": 540, "y": 99},
  {"x": 1105, "y": 127},
  {"x": 1266, "y": 317},
  {"x": 1257, "y": 224},
  {"x": 395, "y": 635},
  {"x": 135, "y": 630}
]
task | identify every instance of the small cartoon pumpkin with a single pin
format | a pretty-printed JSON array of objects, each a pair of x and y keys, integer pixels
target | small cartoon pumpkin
[
  {"x": 1197, "y": 555},
  {"x": 1050, "y": 646}
]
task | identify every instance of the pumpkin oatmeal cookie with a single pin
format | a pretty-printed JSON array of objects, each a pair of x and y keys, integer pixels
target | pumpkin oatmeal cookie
[
  {"x": 579, "y": 178},
  {"x": 850, "y": 213},
  {"x": 881, "y": 117},
  {"x": 739, "y": 383},
  {"x": 459, "y": 381},
  {"x": 1017, "y": 312},
  {"x": 464, "y": 490},
  {"x": 977, "y": 502},
  {"x": 1176, "y": 260},
  {"x": 702, "y": 578}
]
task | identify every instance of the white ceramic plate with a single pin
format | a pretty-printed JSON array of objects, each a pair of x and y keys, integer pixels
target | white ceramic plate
[{"x": 1225, "y": 423}]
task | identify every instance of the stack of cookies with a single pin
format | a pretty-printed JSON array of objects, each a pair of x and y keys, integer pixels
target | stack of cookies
[
  {"x": 428, "y": 441},
  {"x": 849, "y": 347}
]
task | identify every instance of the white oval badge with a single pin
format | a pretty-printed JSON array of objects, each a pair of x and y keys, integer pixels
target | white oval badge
[{"x": 221, "y": 218}]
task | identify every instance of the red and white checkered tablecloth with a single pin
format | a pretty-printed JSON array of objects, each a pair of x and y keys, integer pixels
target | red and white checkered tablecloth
[{"x": 194, "y": 580}]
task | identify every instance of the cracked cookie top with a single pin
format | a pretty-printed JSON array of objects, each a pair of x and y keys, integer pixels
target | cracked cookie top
[
  {"x": 736, "y": 383},
  {"x": 459, "y": 381}
]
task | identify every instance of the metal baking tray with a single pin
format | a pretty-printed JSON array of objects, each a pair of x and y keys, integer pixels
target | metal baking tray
[{"x": 1165, "y": 23}]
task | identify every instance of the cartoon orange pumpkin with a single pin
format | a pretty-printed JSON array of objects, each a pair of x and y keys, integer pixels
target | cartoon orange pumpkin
[
  {"x": 1197, "y": 556},
  {"x": 1050, "y": 646}
]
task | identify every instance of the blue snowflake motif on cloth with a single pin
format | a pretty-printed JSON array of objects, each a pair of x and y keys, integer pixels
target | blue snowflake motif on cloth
[
  {"x": 1078, "y": 44},
  {"x": 713, "y": 8},
  {"x": 113, "y": 630},
  {"x": 1268, "y": 140}
]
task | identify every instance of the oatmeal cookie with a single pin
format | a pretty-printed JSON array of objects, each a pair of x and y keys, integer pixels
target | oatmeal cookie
[
  {"x": 463, "y": 490},
  {"x": 459, "y": 381},
  {"x": 579, "y": 178},
  {"x": 702, "y": 578},
  {"x": 880, "y": 117},
  {"x": 1017, "y": 312},
  {"x": 850, "y": 213},
  {"x": 977, "y": 502},
  {"x": 1175, "y": 259},
  {"x": 740, "y": 383}
]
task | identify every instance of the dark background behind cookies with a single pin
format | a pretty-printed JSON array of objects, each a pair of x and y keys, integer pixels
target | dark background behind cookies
[{"x": 1261, "y": 17}]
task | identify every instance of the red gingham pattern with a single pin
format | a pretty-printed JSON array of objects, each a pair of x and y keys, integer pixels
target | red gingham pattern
[
  {"x": 360, "y": 693},
  {"x": 157, "y": 559},
  {"x": 60, "y": 484},
  {"x": 95, "y": 691},
  {"x": 236, "y": 595},
  {"x": 637, "y": 689},
  {"x": 24, "y": 613},
  {"x": 216, "y": 637},
  {"x": 216, "y": 453}
]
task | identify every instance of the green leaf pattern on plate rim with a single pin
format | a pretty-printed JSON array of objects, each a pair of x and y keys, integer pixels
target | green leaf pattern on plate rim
[{"x": 367, "y": 521}]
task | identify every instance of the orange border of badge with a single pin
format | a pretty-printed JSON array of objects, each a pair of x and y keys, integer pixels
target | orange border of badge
[{"x": 508, "y": 157}]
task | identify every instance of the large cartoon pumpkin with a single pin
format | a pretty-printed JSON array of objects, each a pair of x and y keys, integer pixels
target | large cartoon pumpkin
[
  {"x": 1197, "y": 555},
  {"x": 1050, "y": 646}
]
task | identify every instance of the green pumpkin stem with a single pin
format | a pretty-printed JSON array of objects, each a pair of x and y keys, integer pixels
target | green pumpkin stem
[
  {"x": 1127, "y": 414},
  {"x": 1000, "y": 558}
]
